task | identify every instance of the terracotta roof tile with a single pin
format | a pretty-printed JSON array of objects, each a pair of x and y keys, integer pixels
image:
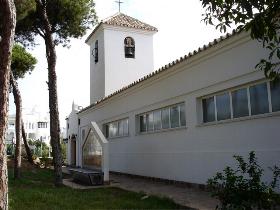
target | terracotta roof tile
[
  {"x": 165, "y": 68},
  {"x": 120, "y": 19},
  {"x": 123, "y": 20}
]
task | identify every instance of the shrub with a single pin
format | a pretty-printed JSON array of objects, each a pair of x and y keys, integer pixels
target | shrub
[{"x": 243, "y": 188}]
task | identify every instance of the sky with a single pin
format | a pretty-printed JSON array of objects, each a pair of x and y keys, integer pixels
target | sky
[{"x": 180, "y": 31}]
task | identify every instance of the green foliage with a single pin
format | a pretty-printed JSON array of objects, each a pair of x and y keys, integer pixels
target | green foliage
[
  {"x": 41, "y": 148},
  {"x": 262, "y": 18},
  {"x": 22, "y": 62},
  {"x": 68, "y": 18},
  {"x": 243, "y": 188},
  {"x": 63, "y": 150}
]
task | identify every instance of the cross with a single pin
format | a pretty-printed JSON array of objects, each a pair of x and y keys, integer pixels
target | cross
[{"x": 119, "y": 2}]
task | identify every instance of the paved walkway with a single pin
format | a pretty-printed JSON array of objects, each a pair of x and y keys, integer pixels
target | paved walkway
[{"x": 190, "y": 197}]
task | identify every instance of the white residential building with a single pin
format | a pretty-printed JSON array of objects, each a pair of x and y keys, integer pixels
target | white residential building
[
  {"x": 36, "y": 126},
  {"x": 184, "y": 121}
]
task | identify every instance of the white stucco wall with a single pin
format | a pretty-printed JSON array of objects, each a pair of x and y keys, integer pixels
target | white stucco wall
[
  {"x": 198, "y": 151},
  {"x": 72, "y": 129},
  {"x": 113, "y": 71},
  {"x": 121, "y": 71},
  {"x": 97, "y": 73}
]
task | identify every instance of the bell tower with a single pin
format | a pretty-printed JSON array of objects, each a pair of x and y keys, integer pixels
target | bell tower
[{"x": 121, "y": 51}]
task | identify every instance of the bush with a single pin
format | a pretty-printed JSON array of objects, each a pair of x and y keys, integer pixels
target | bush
[
  {"x": 243, "y": 188},
  {"x": 46, "y": 161}
]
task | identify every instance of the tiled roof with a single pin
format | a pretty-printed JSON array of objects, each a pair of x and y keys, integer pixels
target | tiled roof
[
  {"x": 166, "y": 67},
  {"x": 120, "y": 19},
  {"x": 123, "y": 20}
]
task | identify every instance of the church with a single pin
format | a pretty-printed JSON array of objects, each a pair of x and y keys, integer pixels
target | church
[{"x": 182, "y": 122}]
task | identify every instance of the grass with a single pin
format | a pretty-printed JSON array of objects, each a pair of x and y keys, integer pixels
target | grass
[{"x": 35, "y": 190}]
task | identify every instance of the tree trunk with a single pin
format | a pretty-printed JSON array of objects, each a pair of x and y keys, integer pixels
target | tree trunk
[
  {"x": 17, "y": 99},
  {"x": 27, "y": 148},
  {"x": 53, "y": 102},
  {"x": 18, "y": 103},
  {"x": 7, "y": 22}
]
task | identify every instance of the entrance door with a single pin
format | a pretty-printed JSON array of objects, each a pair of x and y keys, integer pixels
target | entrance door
[{"x": 73, "y": 152}]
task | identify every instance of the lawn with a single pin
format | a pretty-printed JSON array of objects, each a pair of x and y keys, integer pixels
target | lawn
[{"x": 35, "y": 190}]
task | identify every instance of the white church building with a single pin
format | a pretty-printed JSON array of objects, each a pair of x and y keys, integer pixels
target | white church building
[{"x": 182, "y": 122}]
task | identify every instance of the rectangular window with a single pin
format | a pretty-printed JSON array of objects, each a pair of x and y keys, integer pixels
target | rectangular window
[
  {"x": 252, "y": 100},
  {"x": 165, "y": 118},
  {"x": 120, "y": 128},
  {"x": 174, "y": 116},
  {"x": 259, "y": 99},
  {"x": 223, "y": 106},
  {"x": 116, "y": 129},
  {"x": 106, "y": 131},
  {"x": 113, "y": 129},
  {"x": 182, "y": 115},
  {"x": 240, "y": 103},
  {"x": 275, "y": 95},
  {"x": 125, "y": 127},
  {"x": 150, "y": 122},
  {"x": 208, "y": 109},
  {"x": 157, "y": 120},
  {"x": 143, "y": 123}
]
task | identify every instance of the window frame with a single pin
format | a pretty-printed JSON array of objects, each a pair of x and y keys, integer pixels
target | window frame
[
  {"x": 229, "y": 91},
  {"x": 178, "y": 105},
  {"x": 105, "y": 125}
]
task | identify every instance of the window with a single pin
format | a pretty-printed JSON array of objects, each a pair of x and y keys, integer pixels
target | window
[
  {"x": 275, "y": 95},
  {"x": 165, "y": 118},
  {"x": 182, "y": 115},
  {"x": 129, "y": 47},
  {"x": 174, "y": 115},
  {"x": 116, "y": 129},
  {"x": 248, "y": 101},
  {"x": 157, "y": 120},
  {"x": 150, "y": 122},
  {"x": 240, "y": 103},
  {"x": 143, "y": 123},
  {"x": 42, "y": 124},
  {"x": 223, "y": 106},
  {"x": 96, "y": 51},
  {"x": 259, "y": 99},
  {"x": 208, "y": 109}
]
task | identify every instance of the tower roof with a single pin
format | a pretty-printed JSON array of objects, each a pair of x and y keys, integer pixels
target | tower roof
[{"x": 122, "y": 20}]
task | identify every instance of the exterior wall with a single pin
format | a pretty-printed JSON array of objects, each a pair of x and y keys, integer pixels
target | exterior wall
[
  {"x": 121, "y": 71},
  {"x": 113, "y": 71},
  {"x": 97, "y": 72},
  {"x": 196, "y": 152},
  {"x": 30, "y": 120},
  {"x": 72, "y": 123}
]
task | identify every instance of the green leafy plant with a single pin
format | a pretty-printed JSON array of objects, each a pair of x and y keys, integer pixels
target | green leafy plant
[{"x": 243, "y": 188}]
